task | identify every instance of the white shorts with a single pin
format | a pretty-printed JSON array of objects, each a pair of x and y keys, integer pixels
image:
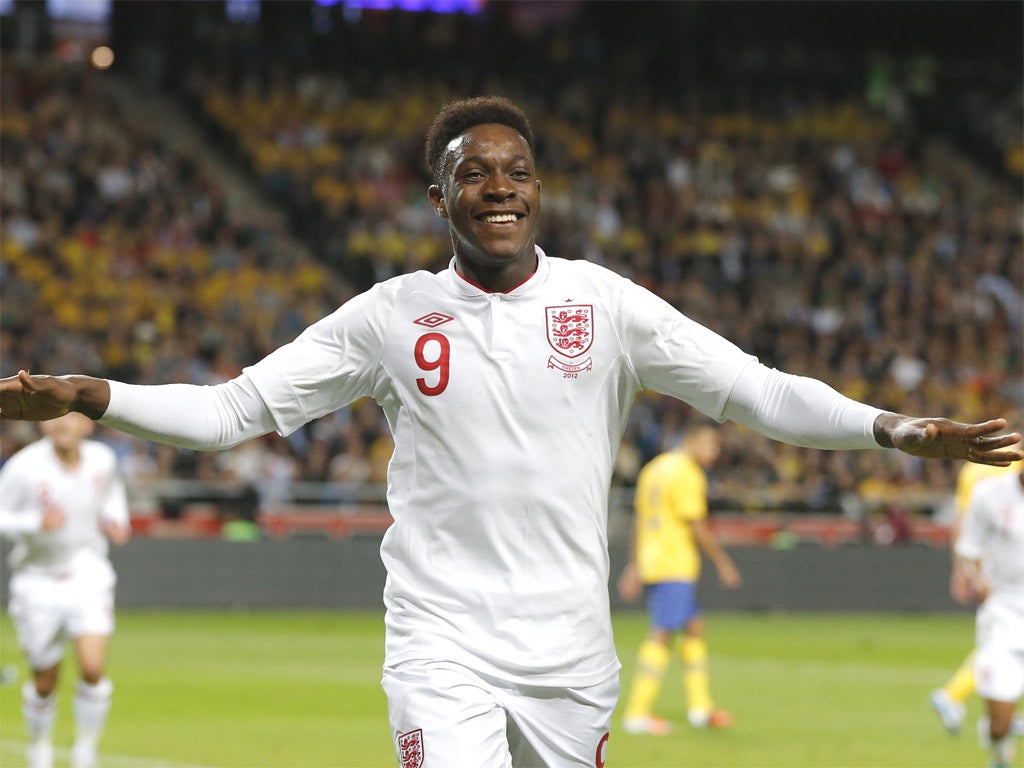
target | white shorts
[
  {"x": 443, "y": 714},
  {"x": 999, "y": 662},
  {"x": 999, "y": 673},
  {"x": 47, "y": 609}
]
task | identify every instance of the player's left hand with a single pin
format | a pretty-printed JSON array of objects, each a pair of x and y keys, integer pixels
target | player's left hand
[
  {"x": 960, "y": 588},
  {"x": 116, "y": 532},
  {"x": 947, "y": 439},
  {"x": 981, "y": 590},
  {"x": 729, "y": 575},
  {"x": 629, "y": 584}
]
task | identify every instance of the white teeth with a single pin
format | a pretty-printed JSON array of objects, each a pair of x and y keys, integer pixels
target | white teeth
[{"x": 500, "y": 218}]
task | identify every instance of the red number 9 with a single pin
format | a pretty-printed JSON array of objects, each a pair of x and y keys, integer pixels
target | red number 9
[{"x": 439, "y": 363}]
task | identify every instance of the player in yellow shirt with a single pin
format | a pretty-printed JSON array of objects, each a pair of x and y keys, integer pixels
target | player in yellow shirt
[
  {"x": 670, "y": 533},
  {"x": 949, "y": 700}
]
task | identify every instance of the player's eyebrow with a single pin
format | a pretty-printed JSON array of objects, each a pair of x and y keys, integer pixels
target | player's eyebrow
[{"x": 482, "y": 158}]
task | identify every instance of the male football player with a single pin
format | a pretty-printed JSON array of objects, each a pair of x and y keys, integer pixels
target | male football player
[{"x": 61, "y": 499}]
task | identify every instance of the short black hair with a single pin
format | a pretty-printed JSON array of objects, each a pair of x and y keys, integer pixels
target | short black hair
[{"x": 457, "y": 117}]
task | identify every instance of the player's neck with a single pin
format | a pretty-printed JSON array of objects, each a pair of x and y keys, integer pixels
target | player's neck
[
  {"x": 504, "y": 279},
  {"x": 69, "y": 457}
]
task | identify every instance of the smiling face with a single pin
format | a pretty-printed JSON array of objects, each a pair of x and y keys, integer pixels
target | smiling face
[{"x": 491, "y": 197}]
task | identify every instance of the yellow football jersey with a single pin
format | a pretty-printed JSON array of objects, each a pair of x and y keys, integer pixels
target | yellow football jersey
[{"x": 671, "y": 491}]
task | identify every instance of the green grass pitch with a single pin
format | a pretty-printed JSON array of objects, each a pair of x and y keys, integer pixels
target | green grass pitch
[{"x": 301, "y": 689}]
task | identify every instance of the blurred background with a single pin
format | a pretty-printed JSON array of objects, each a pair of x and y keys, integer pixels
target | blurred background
[{"x": 836, "y": 187}]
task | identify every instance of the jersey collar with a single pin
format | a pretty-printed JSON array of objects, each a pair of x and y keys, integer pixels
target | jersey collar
[{"x": 462, "y": 287}]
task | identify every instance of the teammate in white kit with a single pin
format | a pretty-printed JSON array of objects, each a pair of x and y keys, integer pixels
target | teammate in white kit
[
  {"x": 507, "y": 380},
  {"x": 990, "y": 548},
  {"x": 61, "y": 499}
]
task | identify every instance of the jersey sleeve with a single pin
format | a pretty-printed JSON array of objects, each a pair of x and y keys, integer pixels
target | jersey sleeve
[
  {"x": 800, "y": 410},
  {"x": 677, "y": 356},
  {"x": 199, "y": 417},
  {"x": 970, "y": 543},
  {"x": 115, "y": 500},
  {"x": 674, "y": 355},
  {"x": 18, "y": 511},
  {"x": 332, "y": 363}
]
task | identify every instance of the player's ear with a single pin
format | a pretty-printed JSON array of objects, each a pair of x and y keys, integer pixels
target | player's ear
[{"x": 436, "y": 197}]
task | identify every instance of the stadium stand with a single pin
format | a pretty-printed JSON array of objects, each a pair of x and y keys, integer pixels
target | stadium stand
[{"x": 838, "y": 216}]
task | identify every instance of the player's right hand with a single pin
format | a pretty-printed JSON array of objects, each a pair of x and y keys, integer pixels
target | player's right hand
[
  {"x": 35, "y": 398},
  {"x": 960, "y": 588}
]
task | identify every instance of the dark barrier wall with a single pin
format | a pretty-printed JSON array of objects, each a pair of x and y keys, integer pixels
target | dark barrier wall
[{"x": 321, "y": 573}]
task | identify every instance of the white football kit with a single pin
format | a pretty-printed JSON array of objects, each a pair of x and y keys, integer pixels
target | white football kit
[
  {"x": 992, "y": 532},
  {"x": 506, "y": 412},
  {"x": 62, "y": 583}
]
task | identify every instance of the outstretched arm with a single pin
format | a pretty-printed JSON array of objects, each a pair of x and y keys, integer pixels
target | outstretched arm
[
  {"x": 184, "y": 415},
  {"x": 807, "y": 412}
]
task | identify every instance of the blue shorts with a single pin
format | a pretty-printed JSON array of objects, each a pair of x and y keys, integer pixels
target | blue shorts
[{"x": 671, "y": 604}]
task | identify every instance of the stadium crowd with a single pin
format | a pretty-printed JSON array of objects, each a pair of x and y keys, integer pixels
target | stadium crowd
[{"x": 821, "y": 218}]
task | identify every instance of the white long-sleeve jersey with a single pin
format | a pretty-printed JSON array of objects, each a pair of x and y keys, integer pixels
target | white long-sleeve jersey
[
  {"x": 34, "y": 478},
  {"x": 506, "y": 411}
]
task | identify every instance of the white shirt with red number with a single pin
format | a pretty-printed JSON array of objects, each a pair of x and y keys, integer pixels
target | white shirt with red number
[
  {"x": 34, "y": 479},
  {"x": 506, "y": 411},
  {"x": 993, "y": 533}
]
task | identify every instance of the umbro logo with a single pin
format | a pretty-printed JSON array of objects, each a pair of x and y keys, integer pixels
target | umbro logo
[{"x": 433, "y": 319}]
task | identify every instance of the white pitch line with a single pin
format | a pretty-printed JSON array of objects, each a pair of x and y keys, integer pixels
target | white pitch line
[{"x": 11, "y": 747}]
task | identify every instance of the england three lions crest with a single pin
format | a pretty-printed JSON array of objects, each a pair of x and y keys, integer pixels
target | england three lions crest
[
  {"x": 570, "y": 334},
  {"x": 410, "y": 749}
]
